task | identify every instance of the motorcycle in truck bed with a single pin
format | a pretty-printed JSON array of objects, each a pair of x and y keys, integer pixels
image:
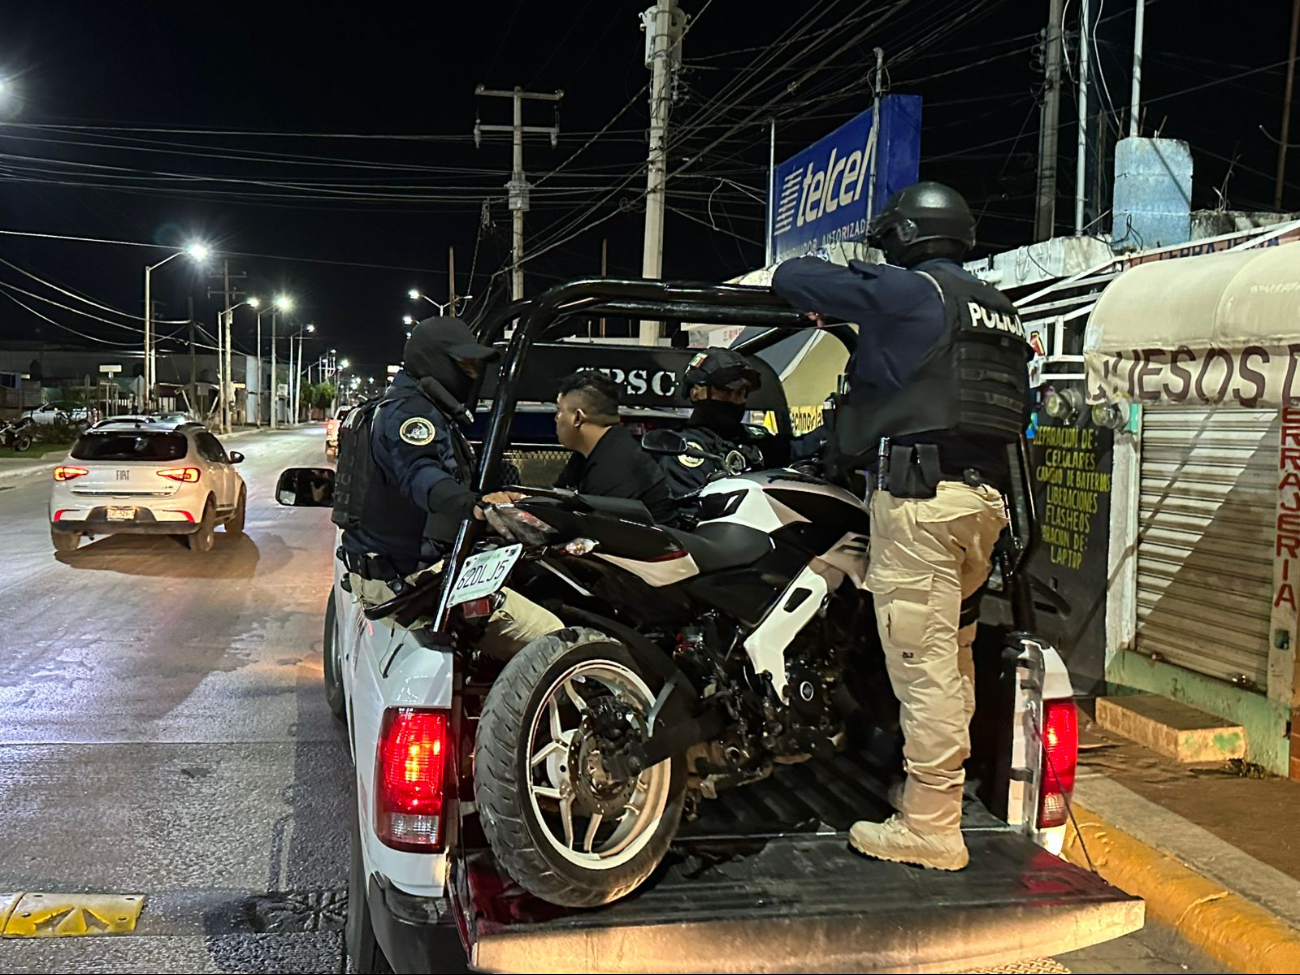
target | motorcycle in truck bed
[{"x": 760, "y": 878}]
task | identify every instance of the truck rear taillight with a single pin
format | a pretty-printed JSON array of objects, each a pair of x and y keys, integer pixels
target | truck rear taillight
[
  {"x": 410, "y": 776},
  {"x": 1060, "y": 762}
]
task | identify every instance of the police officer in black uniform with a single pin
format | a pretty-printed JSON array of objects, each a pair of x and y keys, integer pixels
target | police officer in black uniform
[
  {"x": 408, "y": 488},
  {"x": 938, "y": 391},
  {"x": 718, "y": 382}
]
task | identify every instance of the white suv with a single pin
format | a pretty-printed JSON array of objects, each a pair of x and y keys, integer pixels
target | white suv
[{"x": 147, "y": 478}]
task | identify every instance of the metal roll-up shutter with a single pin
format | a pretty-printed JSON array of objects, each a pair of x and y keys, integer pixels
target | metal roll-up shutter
[{"x": 1206, "y": 517}]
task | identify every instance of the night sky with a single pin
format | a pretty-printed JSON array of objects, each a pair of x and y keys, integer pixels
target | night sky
[{"x": 343, "y": 133}]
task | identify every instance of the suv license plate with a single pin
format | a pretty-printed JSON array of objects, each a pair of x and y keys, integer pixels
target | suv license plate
[
  {"x": 483, "y": 574},
  {"x": 121, "y": 514}
]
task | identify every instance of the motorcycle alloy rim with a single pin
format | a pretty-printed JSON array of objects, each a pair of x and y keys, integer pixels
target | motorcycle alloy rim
[{"x": 587, "y": 833}]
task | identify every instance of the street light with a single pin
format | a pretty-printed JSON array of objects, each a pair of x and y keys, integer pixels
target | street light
[
  {"x": 225, "y": 341},
  {"x": 415, "y": 295},
  {"x": 408, "y": 320},
  {"x": 282, "y": 303},
  {"x": 198, "y": 252}
]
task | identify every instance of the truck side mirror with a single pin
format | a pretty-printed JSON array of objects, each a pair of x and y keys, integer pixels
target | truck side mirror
[{"x": 306, "y": 487}]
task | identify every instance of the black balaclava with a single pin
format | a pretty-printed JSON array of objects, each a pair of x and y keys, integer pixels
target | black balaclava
[
  {"x": 433, "y": 357},
  {"x": 721, "y": 417}
]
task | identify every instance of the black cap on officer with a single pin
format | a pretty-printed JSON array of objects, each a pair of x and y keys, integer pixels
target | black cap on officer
[
  {"x": 722, "y": 369},
  {"x": 445, "y": 350},
  {"x": 923, "y": 221}
]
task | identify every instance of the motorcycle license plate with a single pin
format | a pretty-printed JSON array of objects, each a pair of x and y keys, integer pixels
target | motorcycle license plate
[
  {"x": 121, "y": 514},
  {"x": 483, "y": 574}
]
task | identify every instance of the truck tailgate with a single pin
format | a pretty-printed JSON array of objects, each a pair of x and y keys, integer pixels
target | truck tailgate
[{"x": 736, "y": 897}]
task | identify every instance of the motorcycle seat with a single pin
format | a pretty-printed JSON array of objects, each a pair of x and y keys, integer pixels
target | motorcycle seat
[{"x": 717, "y": 547}]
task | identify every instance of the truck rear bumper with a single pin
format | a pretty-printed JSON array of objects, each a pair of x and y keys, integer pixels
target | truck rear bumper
[{"x": 415, "y": 933}]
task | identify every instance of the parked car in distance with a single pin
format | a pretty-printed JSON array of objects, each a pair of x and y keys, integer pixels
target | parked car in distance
[
  {"x": 47, "y": 414},
  {"x": 147, "y": 478}
]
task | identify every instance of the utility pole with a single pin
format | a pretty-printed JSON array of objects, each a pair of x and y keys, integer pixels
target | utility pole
[
  {"x": 663, "y": 25},
  {"x": 875, "y": 142},
  {"x": 1045, "y": 218},
  {"x": 517, "y": 188},
  {"x": 1136, "y": 100},
  {"x": 194, "y": 363},
  {"x": 451, "y": 280},
  {"x": 771, "y": 187},
  {"x": 275, "y": 385},
  {"x": 229, "y": 296},
  {"x": 604, "y": 273},
  {"x": 221, "y": 372},
  {"x": 1081, "y": 162},
  {"x": 148, "y": 337},
  {"x": 1286, "y": 109}
]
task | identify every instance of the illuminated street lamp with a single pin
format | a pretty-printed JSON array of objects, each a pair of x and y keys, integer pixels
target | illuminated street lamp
[
  {"x": 199, "y": 252},
  {"x": 282, "y": 303}
]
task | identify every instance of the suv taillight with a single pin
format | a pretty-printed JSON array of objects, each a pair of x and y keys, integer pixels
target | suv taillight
[
  {"x": 1060, "y": 762},
  {"x": 186, "y": 475},
  {"x": 410, "y": 775}
]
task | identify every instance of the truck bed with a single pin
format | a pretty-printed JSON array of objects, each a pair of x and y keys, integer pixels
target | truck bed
[{"x": 764, "y": 881}]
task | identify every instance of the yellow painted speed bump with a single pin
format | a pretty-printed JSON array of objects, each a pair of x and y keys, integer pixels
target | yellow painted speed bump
[
  {"x": 49, "y": 915},
  {"x": 7, "y": 903}
]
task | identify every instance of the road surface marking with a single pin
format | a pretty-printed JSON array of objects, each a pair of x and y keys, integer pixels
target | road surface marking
[{"x": 54, "y": 915}]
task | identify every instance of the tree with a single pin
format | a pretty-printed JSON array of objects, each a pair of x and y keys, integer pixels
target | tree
[{"x": 322, "y": 396}]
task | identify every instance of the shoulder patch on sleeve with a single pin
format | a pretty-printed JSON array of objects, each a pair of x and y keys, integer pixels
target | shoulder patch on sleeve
[
  {"x": 686, "y": 460},
  {"x": 418, "y": 431}
]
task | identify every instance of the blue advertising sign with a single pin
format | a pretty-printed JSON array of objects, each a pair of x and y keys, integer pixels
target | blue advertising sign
[{"x": 819, "y": 197}]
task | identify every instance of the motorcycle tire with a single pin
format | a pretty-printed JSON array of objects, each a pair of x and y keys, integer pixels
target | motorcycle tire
[
  {"x": 22, "y": 443},
  {"x": 532, "y": 836}
]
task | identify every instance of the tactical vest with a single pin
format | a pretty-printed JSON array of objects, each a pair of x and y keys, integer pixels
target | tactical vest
[
  {"x": 363, "y": 497},
  {"x": 973, "y": 383}
]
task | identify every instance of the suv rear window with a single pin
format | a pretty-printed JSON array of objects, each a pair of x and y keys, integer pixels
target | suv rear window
[{"x": 130, "y": 445}]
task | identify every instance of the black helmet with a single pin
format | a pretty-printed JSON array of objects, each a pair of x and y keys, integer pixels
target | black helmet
[
  {"x": 722, "y": 369},
  {"x": 921, "y": 221}
]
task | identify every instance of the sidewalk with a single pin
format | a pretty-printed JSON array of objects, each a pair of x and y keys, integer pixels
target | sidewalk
[{"x": 1211, "y": 849}]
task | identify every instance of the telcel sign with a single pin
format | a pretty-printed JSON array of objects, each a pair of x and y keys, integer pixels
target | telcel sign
[{"x": 819, "y": 197}]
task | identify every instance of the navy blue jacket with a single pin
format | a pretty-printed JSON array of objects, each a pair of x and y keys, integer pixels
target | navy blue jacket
[
  {"x": 900, "y": 317},
  {"x": 411, "y": 443}
]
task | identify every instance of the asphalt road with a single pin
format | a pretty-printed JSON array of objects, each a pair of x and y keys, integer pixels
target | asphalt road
[{"x": 163, "y": 732}]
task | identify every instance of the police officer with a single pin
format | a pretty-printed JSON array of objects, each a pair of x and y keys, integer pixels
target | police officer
[
  {"x": 718, "y": 382},
  {"x": 938, "y": 390},
  {"x": 414, "y": 480},
  {"x": 606, "y": 459}
]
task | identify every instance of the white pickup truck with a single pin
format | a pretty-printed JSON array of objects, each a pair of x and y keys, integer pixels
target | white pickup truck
[{"x": 762, "y": 880}]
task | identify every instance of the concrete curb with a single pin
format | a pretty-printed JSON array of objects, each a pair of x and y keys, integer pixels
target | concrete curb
[{"x": 1206, "y": 914}]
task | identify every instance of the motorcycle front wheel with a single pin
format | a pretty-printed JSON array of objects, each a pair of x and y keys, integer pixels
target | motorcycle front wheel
[
  {"x": 563, "y": 827},
  {"x": 22, "y": 443}
]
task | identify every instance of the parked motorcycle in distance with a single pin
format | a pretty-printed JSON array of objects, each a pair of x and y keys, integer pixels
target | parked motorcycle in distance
[{"x": 16, "y": 434}]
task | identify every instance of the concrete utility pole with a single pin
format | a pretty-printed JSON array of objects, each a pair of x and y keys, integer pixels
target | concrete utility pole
[
  {"x": 875, "y": 143},
  {"x": 517, "y": 188},
  {"x": 1286, "y": 110},
  {"x": 1081, "y": 162},
  {"x": 148, "y": 337},
  {"x": 1136, "y": 100},
  {"x": 1045, "y": 217},
  {"x": 451, "y": 279},
  {"x": 664, "y": 26},
  {"x": 275, "y": 384}
]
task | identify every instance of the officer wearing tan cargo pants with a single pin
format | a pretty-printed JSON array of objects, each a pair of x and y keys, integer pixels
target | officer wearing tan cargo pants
[{"x": 938, "y": 393}]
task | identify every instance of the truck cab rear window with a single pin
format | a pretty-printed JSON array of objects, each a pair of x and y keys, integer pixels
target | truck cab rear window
[{"x": 131, "y": 445}]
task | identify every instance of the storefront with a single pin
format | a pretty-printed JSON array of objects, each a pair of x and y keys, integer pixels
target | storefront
[{"x": 1200, "y": 357}]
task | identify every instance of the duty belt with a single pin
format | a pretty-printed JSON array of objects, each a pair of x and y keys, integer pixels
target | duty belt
[
  {"x": 915, "y": 470},
  {"x": 382, "y": 568}
]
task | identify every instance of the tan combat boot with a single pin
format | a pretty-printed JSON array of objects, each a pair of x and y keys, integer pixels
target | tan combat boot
[{"x": 894, "y": 840}]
